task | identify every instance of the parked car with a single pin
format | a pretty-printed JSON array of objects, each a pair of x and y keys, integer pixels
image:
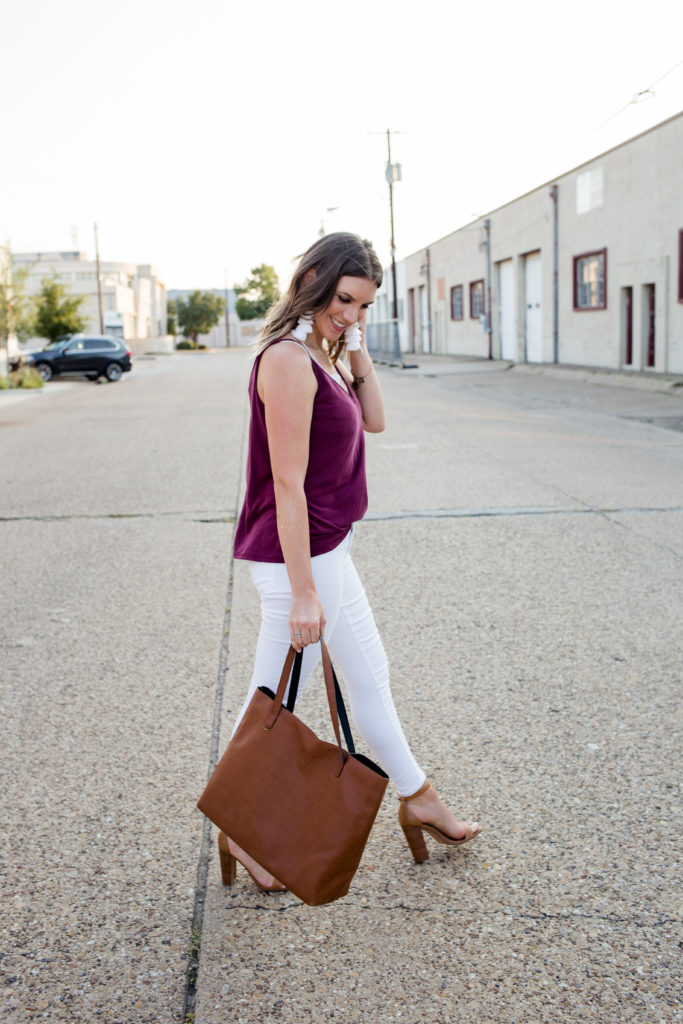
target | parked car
[{"x": 85, "y": 355}]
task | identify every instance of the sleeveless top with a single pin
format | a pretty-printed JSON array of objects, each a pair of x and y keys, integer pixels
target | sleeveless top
[{"x": 335, "y": 484}]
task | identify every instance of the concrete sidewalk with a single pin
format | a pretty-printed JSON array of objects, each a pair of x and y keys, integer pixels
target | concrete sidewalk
[{"x": 423, "y": 364}]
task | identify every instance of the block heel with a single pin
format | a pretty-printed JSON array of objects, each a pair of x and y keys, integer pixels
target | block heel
[
  {"x": 414, "y": 829},
  {"x": 228, "y": 862},
  {"x": 416, "y": 842},
  {"x": 229, "y": 868}
]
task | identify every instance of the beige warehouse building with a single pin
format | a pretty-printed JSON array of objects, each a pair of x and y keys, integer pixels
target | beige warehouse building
[{"x": 585, "y": 270}]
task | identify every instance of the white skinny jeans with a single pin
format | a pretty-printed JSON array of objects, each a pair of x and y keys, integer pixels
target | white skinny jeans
[{"x": 355, "y": 648}]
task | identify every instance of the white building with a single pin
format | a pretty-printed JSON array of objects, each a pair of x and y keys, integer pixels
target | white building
[
  {"x": 584, "y": 270},
  {"x": 133, "y": 302}
]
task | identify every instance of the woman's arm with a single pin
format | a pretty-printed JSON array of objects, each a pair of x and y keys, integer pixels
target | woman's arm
[
  {"x": 369, "y": 392},
  {"x": 287, "y": 387}
]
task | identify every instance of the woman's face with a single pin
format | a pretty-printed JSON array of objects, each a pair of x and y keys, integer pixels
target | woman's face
[{"x": 352, "y": 297}]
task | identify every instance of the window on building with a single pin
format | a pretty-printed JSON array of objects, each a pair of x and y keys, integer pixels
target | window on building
[
  {"x": 457, "y": 311},
  {"x": 680, "y": 266},
  {"x": 589, "y": 190},
  {"x": 590, "y": 280},
  {"x": 476, "y": 299}
]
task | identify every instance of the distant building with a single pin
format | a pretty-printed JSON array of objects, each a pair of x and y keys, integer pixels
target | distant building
[
  {"x": 586, "y": 269},
  {"x": 133, "y": 296}
]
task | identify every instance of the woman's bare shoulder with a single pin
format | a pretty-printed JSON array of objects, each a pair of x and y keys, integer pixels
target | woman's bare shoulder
[
  {"x": 284, "y": 352},
  {"x": 286, "y": 364}
]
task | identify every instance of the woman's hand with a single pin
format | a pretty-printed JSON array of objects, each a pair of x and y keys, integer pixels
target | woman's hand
[
  {"x": 369, "y": 392},
  {"x": 362, "y": 317},
  {"x": 306, "y": 620}
]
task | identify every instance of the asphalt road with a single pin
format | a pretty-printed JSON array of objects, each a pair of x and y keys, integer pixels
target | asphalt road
[{"x": 523, "y": 557}]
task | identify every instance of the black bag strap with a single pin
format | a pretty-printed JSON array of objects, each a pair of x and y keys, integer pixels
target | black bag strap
[
  {"x": 339, "y": 700},
  {"x": 294, "y": 681},
  {"x": 343, "y": 717}
]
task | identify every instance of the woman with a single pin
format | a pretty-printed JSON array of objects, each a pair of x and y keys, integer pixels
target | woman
[{"x": 305, "y": 490}]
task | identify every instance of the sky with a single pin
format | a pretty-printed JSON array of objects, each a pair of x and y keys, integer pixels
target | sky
[{"x": 210, "y": 136}]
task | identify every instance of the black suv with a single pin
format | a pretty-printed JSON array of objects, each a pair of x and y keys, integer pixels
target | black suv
[{"x": 88, "y": 355}]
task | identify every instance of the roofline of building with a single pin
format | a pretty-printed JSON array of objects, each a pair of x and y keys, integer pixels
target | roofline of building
[{"x": 548, "y": 183}]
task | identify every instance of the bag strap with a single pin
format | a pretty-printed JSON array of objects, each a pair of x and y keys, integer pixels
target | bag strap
[
  {"x": 343, "y": 717},
  {"x": 339, "y": 700},
  {"x": 294, "y": 683},
  {"x": 335, "y": 700}
]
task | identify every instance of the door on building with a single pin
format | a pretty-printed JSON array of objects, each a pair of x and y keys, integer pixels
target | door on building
[
  {"x": 533, "y": 319},
  {"x": 506, "y": 309},
  {"x": 649, "y": 340},
  {"x": 627, "y": 325}
]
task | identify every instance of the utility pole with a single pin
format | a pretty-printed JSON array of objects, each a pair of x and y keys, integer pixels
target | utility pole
[
  {"x": 393, "y": 173},
  {"x": 487, "y": 317},
  {"x": 99, "y": 280}
]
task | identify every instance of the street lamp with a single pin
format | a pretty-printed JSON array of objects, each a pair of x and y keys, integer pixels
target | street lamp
[{"x": 328, "y": 209}]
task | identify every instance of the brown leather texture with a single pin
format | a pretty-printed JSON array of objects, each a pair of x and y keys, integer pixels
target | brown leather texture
[{"x": 300, "y": 806}]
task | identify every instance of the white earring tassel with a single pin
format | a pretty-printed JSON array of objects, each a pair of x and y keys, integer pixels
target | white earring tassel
[{"x": 352, "y": 338}]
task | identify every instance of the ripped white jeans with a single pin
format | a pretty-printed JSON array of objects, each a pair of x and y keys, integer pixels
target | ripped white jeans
[{"x": 355, "y": 648}]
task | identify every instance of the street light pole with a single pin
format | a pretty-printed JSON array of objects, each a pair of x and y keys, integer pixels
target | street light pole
[
  {"x": 322, "y": 231},
  {"x": 227, "y": 309},
  {"x": 99, "y": 280}
]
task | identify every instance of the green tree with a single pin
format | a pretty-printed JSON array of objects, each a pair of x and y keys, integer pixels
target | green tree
[
  {"x": 199, "y": 313},
  {"x": 258, "y": 293},
  {"x": 56, "y": 312},
  {"x": 15, "y": 314},
  {"x": 171, "y": 318}
]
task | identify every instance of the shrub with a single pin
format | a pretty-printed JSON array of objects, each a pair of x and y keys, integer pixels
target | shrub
[
  {"x": 25, "y": 377},
  {"x": 184, "y": 344}
]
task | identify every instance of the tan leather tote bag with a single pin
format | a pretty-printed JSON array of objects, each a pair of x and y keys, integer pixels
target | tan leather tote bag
[{"x": 300, "y": 806}]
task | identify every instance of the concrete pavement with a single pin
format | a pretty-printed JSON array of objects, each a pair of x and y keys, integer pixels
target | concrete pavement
[{"x": 523, "y": 558}]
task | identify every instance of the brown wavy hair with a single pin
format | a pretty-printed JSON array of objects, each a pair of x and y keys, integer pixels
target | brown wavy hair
[{"x": 332, "y": 257}]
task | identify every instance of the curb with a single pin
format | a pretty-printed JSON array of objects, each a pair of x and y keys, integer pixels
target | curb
[{"x": 428, "y": 364}]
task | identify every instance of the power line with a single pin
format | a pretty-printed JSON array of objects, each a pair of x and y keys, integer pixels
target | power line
[{"x": 636, "y": 98}]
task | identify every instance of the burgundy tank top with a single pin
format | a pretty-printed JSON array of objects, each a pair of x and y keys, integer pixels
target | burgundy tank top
[{"x": 335, "y": 484}]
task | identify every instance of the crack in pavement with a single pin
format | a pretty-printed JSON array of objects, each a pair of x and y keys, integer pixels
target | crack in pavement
[
  {"x": 490, "y": 512},
  {"x": 196, "y": 517},
  {"x": 541, "y": 915},
  {"x": 521, "y": 510},
  {"x": 201, "y": 881}
]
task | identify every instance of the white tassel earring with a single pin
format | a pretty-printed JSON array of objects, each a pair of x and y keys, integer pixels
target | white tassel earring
[
  {"x": 303, "y": 327},
  {"x": 352, "y": 338}
]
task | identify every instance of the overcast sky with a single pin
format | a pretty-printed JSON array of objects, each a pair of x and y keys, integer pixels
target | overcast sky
[{"x": 206, "y": 137}]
